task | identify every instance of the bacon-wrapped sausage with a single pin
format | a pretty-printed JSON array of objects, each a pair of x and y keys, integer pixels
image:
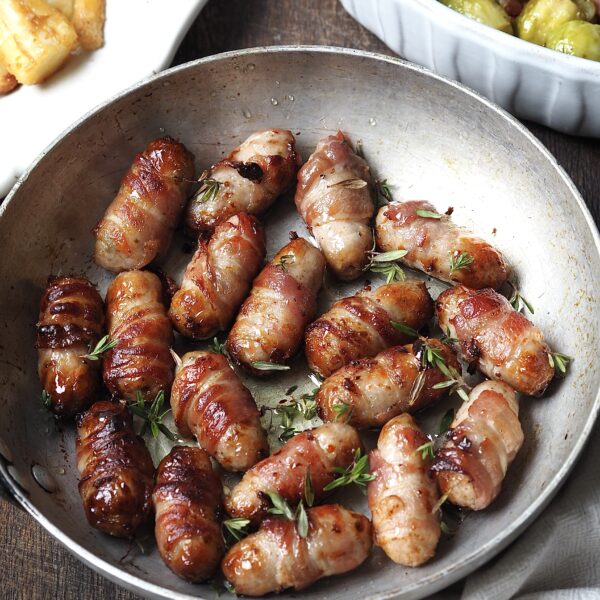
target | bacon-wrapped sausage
[
  {"x": 439, "y": 247},
  {"x": 283, "y": 301},
  {"x": 218, "y": 277},
  {"x": 360, "y": 326},
  {"x": 116, "y": 471},
  {"x": 138, "y": 225},
  {"x": 500, "y": 341},
  {"x": 70, "y": 323},
  {"x": 403, "y": 494},
  {"x": 276, "y": 557},
  {"x": 369, "y": 392},
  {"x": 319, "y": 450},
  {"x": 248, "y": 180},
  {"x": 187, "y": 501},
  {"x": 482, "y": 442},
  {"x": 335, "y": 198},
  {"x": 141, "y": 361},
  {"x": 209, "y": 401}
]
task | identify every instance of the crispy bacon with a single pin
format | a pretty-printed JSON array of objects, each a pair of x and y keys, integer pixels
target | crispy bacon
[
  {"x": 187, "y": 501},
  {"x": 500, "y": 341},
  {"x": 370, "y": 391},
  {"x": 433, "y": 243},
  {"x": 218, "y": 278},
  {"x": 210, "y": 402},
  {"x": 249, "y": 180},
  {"x": 335, "y": 199},
  {"x": 403, "y": 495},
  {"x": 277, "y": 557},
  {"x": 70, "y": 323},
  {"x": 138, "y": 224},
  {"x": 116, "y": 471},
  {"x": 361, "y": 326},
  {"x": 482, "y": 443}
]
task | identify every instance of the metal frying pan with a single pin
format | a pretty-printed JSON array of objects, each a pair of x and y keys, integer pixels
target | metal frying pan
[{"x": 431, "y": 139}]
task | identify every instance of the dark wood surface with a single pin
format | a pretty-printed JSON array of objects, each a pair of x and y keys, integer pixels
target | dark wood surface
[{"x": 32, "y": 564}]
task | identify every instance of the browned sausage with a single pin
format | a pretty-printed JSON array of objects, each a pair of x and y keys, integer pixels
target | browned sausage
[
  {"x": 187, "y": 501},
  {"x": 70, "y": 323},
  {"x": 218, "y": 278},
  {"x": 116, "y": 471},
  {"x": 210, "y": 402},
  {"x": 141, "y": 361},
  {"x": 361, "y": 326},
  {"x": 138, "y": 224}
]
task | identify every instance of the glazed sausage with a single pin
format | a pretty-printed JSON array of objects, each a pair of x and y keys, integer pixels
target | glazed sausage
[
  {"x": 70, "y": 323},
  {"x": 116, "y": 471},
  {"x": 482, "y": 442},
  {"x": 138, "y": 224},
  {"x": 376, "y": 389},
  {"x": 320, "y": 450},
  {"x": 141, "y": 361},
  {"x": 209, "y": 401},
  {"x": 497, "y": 339},
  {"x": 432, "y": 244},
  {"x": 187, "y": 501},
  {"x": 360, "y": 326},
  {"x": 248, "y": 180},
  {"x": 335, "y": 198},
  {"x": 283, "y": 301},
  {"x": 218, "y": 278},
  {"x": 403, "y": 494},
  {"x": 276, "y": 557}
]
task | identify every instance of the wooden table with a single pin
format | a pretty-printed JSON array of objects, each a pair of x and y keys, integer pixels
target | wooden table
[{"x": 32, "y": 564}]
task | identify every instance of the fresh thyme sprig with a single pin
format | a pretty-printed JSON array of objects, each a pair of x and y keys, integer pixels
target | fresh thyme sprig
[
  {"x": 261, "y": 365},
  {"x": 217, "y": 347},
  {"x": 446, "y": 421},
  {"x": 350, "y": 184},
  {"x": 459, "y": 261},
  {"x": 402, "y": 328},
  {"x": 101, "y": 347},
  {"x": 309, "y": 490},
  {"x": 357, "y": 473},
  {"x": 152, "y": 416},
  {"x": 385, "y": 263},
  {"x": 383, "y": 194},
  {"x": 235, "y": 529},
  {"x": 433, "y": 357},
  {"x": 517, "y": 301},
  {"x": 559, "y": 362},
  {"x": 428, "y": 214},
  {"x": 209, "y": 188},
  {"x": 46, "y": 399},
  {"x": 426, "y": 450},
  {"x": 343, "y": 410},
  {"x": 448, "y": 339},
  {"x": 282, "y": 508}
]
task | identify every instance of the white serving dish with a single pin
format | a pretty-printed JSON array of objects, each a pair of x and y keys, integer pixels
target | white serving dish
[
  {"x": 141, "y": 38},
  {"x": 532, "y": 82}
]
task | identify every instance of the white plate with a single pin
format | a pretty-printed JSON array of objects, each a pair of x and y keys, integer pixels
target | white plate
[{"x": 141, "y": 37}]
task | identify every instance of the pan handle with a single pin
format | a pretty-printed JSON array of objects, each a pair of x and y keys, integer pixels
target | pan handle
[{"x": 5, "y": 493}]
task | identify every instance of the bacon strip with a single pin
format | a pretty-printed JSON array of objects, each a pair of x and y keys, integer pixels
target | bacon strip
[
  {"x": 210, "y": 402},
  {"x": 335, "y": 199},
  {"x": 276, "y": 557},
  {"x": 360, "y": 326}
]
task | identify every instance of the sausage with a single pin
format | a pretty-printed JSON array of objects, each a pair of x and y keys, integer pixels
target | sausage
[
  {"x": 320, "y": 449},
  {"x": 138, "y": 224},
  {"x": 433, "y": 244},
  {"x": 116, "y": 471},
  {"x": 360, "y": 326},
  {"x": 209, "y": 401},
  {"x": 218, "y": 278},
  {"x": 271, "y": 323},
  {"x": 71, "y": 322},
  {"x": 187, "y": 501},
  {"x": 276, "y": 557},
  {"x": 497, "y": 339},
  {"x": 249, "y": 180},
  {"x": 335, "y": 198},
  {"x": 403, "y": 494},
  {"x": 141, "y": 361},
  {"x": 374, "y": 390},
  {"x": 482, "y": 442}
]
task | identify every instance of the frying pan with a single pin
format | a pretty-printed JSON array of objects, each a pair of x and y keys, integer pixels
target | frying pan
[{"x": 430, "y": 138}]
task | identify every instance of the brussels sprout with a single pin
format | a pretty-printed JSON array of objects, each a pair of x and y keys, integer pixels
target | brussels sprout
[
  {"x": 578, "y": 38},
  {"x": 540, "y": 17},
  {"x": 488, "y": 12}
]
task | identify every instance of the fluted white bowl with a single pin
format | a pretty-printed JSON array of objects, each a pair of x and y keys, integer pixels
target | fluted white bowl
[{"x": 532, "y": 82}]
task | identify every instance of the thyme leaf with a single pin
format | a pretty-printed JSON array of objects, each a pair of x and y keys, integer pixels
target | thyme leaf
[
  {"x": 152, "y": 416},
  {"x": 385, "y": 263},
  {"x": 341, "y": 409},
  {"x": 426, "y": 450},
  {"x": 357, "y": 473},
  {"x": 459, "y": 261},
  {"x": 350, "y": 184},
  {"x": 261, "y": 365},
  {"x": 559, "y": 362},
  {"x": 518, "y": 302},
  {"x": 383, "y": 194},
  {"x": 209, "y": 188},
  {"x": 101, "y": 347},
  {"x": 235, "y": 528},
  {"x": 402, "y": 328},
  {"x": 428, "y": 214},
  {"x": 446, "y": 422},
  {"x": 217, "y": 347}
]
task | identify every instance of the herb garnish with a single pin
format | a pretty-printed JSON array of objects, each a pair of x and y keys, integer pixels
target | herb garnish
[
  {"x": 383, "y": 194},
  {"x": 446, "y": 422},
  {"x": 559, "y": 362},
  {"x": 356, "y": 473},
  {"x": 433, "y": 357},
  {"x": 385, "y": 263},
  {"x": 261, "y": 365},
  {"x": 282, "y": 508},
  {"x": 518, "y": 302},
  {"x": 448, "y": 339},
  {"x": 404, "y": 329},
  {"x": 459, "y": 261},
  {"x": 209, "y": 188},
  {"x": 350, "y": 184},
  {"x": 217, "y": 347},
  {"x": 428, "y": 214},
  {"x": 101, "y": 347},
  {"x": 152, "y": 416},
  {"x": 235, "y": 528},
  {"x": 341, "y": 409},
  {"x": 426, "y": 450}
]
